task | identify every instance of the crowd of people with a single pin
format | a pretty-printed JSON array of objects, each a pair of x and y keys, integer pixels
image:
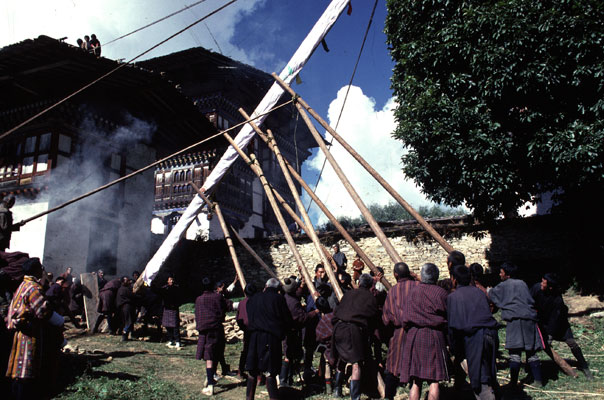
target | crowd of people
[{"x": 433, "y": 330}]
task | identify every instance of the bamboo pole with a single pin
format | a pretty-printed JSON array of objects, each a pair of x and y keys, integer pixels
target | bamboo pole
[
  {"x": 448, "y": 248},
  {"x": 255, "y": 255},
  {"x": 254, "y": 165},
  {"x": 323, "y": 207},
  {"x": 225, "y": 231},
  {"x": 394, "y": 256},
  {"x": 307, "y": 224}
]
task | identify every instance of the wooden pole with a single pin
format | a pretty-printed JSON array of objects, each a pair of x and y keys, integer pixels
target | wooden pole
[
  {"x": 323, "y": 207},
  {"x": 225, "y": 231},
  {"x": 307, "y": 224},
  {"x": 394, "y": 256},
  {"x": 448, "y": 248},
  {"x": 254, "y": 165},
  {"x": 255, "y": 255}
]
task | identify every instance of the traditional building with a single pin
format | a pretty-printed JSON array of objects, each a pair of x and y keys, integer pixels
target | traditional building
[
  {"x": 120, "y": 124},
  {"x": 219, "y": 86}
]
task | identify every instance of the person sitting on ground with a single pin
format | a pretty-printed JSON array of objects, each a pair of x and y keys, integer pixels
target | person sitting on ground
[
  {"x": 514, "y": 299},
  {"x": 473, "y": 333},
  {"x": 269, "y": 320},
  {"x": 553, "y": 318},
  {"x": 210, "y": 311},
  {"x": 354, "y": 321}
]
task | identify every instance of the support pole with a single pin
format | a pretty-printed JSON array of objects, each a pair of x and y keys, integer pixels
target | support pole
[
  {"x": 394, "y": 256},
  {"x": 254, "y": 165},
  {"x": 309, "y": 229},
  {"x": 255, "y": 255},
  {"x": 448, "y": 248},
  {"x": 225, "y": 231},
  {"x": 323, "y": 207}
]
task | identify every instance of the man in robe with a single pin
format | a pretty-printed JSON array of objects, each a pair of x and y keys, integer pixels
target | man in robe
[
  {"x": 292, "y": 344},
  {"x": 473, "y": 333},
  {"x": 243, "y": 323},
  {"x": 125, "y": 304},
  {"x": 269, "y": 320},
  {"x": 354, "y": 320},
  {"x": 553, "y": 318},
  {"x": 424, "y": 357},
  {"x": 512, "y": 296},
  {"x": 339, "y": 258},
  {"x": 28, "y": 313},
  {"x": 392, "y": 317},
  {"x": 6, "y": 222},
  {"x": 210, "y": 310}
]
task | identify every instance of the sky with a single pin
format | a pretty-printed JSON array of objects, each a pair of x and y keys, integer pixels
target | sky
[{"x": 264, "y": 34}]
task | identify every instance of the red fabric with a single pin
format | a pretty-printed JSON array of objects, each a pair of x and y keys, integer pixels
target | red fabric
[
  {"x": 424, "y": 319},
  {"x": 393, "y": 316}
]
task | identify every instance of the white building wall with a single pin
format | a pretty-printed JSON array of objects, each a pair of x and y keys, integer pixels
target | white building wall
[{"x": 31, "y": 237}]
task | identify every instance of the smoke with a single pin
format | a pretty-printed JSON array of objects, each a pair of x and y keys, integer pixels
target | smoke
[{"x": 98, "y": 231}]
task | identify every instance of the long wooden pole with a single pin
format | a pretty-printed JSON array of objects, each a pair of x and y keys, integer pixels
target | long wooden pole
[
  {"x": 323, "y": 207},
  {"x": 254, "y": 254},
  {"x": 394, "y": 256},
  {"x": 225, "y": 231},
  {"x": 254, "y": 165},
  {"x": 448, "y": 248},
  {"x": 308, "y": 227}
]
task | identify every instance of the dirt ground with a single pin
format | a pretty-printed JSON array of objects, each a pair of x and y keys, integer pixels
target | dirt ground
[{"x": 102, "y": 367}]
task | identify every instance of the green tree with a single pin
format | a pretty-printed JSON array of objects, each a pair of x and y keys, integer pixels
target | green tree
[{"x": 500, "y": 101}]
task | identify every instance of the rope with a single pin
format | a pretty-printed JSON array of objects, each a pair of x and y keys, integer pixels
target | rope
[
  {"x": 5, "y": 134},
  {"x": 130, "y": 175},
  {"x": 346, "y": 96},
  {"x": 154, "y": 22}
]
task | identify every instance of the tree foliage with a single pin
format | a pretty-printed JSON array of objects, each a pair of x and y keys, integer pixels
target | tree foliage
[
  {"x": 499, "y": 101},
  {"x": 392, "y": 212}
]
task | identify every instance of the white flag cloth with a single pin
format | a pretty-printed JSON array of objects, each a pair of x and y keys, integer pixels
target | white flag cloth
[{"x": 293, "y": 67}]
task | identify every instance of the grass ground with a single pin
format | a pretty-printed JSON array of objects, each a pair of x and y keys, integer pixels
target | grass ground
[{"x": 110, "y": 369}]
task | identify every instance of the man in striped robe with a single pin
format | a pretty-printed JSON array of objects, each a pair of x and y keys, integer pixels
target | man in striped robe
[
  {"x": 393, "y": 317},
  {"x": 27, "y": 313}
]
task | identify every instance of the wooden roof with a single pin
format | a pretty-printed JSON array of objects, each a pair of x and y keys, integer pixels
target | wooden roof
[{"x": 37, "y": 72}]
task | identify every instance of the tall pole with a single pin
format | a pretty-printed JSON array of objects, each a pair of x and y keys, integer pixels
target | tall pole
[
  {"x": 444, "y": 244},
  {"x": 254, "y": 165},
  {"x": 254, "y": 254},
  {"x": 323, "y": 208},
  {"x": 225, "y": 231}
]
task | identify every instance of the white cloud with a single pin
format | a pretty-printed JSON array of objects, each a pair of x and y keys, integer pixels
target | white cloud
[
  {"x": 368, "y": 130},
  {"x": 109, "y": 19}
]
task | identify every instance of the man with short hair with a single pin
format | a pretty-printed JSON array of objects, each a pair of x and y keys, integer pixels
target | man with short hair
[
  {"x": 269, "y": 320},
  {"x": 354, "y": 319},
  {"x": 393, "y": 317},
  {"x": 210, "y": 311},
  {"x": 6, "y": 222},
  {"x": 512, "y": 296},
  {"x": 553, "y": 318},
  {"x": 473, "y": 333},
  {"x": 339, "y": 258},
  {"x": 454, "y": 258},
  {"x": 425, "y": 320}
]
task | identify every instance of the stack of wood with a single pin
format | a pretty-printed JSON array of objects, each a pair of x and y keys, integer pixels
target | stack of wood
[{"x": 232, "y": 332}]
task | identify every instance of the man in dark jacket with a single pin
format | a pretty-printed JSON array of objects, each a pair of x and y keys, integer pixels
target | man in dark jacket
[
  {"x": 210, "y": 310},
  {"x": 106, "y": 306},
  {"x": 6, "y": 222},
  {"x": 269, "y": 320},
  {"x": 124, "y": 301},
  {"x": 552, "y": 314},
  {"x": 473, "y": 332},
  {"x": 354, "y": 320},
  {"x": 243, "y": 323},
  {"x": 292, "y": 345}
]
